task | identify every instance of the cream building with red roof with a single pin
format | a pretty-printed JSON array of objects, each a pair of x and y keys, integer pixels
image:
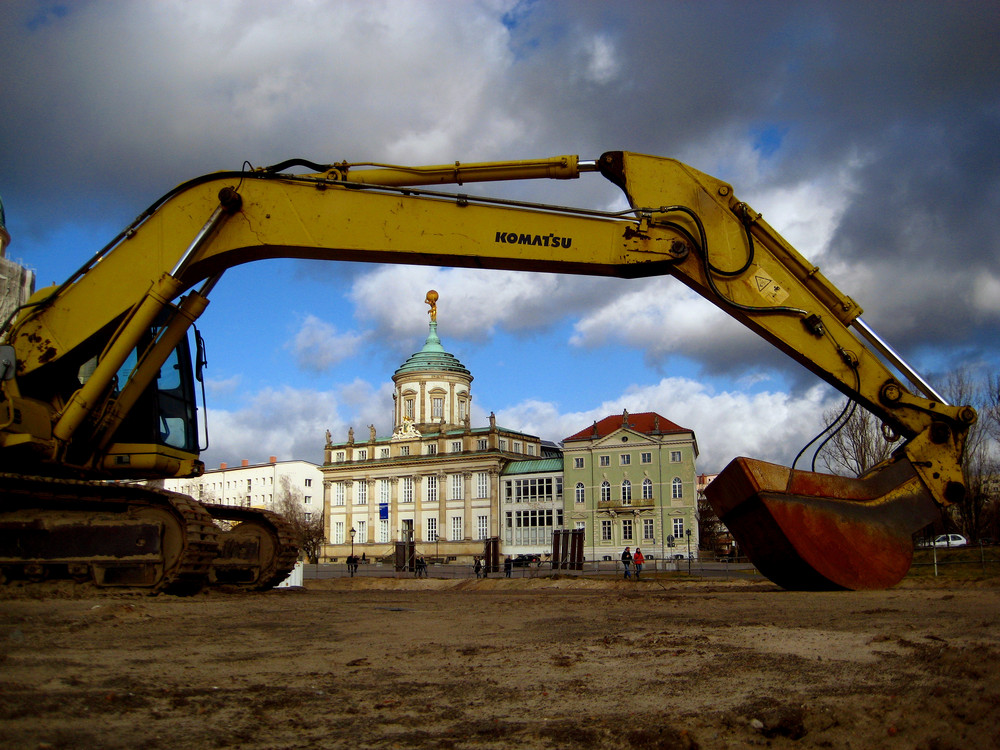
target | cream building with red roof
[{"x": 630, "y": 480}]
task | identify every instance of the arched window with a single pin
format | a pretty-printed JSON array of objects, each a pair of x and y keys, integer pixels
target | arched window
[
  {"x": 605, "y": 492},
  {"x": 677, "y": 488},
  {"x": 647, "y": 489},
  {"x": 581, "y": 493},
  {"x": 626, "y": 492}
]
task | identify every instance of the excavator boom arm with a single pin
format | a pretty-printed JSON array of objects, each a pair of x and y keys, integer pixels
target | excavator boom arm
[{"x": 681, "y": 222}]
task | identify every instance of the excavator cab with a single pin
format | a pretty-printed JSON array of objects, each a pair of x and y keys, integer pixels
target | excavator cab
[{"x": 161, "y": 430}]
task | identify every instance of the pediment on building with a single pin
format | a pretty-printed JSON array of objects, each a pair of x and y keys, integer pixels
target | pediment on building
[{"x": 406, "y": 431}]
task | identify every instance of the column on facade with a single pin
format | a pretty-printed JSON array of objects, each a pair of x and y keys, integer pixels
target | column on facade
[
  {"x": 494, "y": 529},
  {"x": 328, "y": 510},
  {"x": 393, "y": 509}
]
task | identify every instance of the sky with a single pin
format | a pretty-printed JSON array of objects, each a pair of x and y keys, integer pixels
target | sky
[{"x": 865, "y": 132}]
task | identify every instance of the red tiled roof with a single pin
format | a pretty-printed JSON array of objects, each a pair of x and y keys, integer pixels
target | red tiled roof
[{"x": 648, "y": 423}]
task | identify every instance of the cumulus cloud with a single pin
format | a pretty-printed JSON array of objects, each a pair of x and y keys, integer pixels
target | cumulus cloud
[
  {"x": 292, "y": 423},
  {"x": 771, "y": 426},
  {"x": 474, "y": 303},
  {"x": 318, "y": 346}
]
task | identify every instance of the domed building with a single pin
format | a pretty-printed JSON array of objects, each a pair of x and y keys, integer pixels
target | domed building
[{"x": 435, "y": 482}]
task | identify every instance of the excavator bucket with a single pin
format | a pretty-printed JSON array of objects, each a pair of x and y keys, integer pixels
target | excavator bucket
[{"x": 812, "y": 532}]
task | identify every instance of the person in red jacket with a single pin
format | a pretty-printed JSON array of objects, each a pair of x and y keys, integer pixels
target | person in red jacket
[{"x": 637, "y": 561}]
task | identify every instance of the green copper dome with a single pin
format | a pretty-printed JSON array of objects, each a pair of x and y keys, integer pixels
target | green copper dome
[{"x": 433, "y": 357}]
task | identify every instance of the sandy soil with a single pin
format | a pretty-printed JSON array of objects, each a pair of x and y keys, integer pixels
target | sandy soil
[{"x": 531, "y": 663}]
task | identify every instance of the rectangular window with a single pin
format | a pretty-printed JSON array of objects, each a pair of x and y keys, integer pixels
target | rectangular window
[
  {"x": 384, "y": 490},
  {"x": 531, "y": 450},
  {"x": 456, "y": 487},
  {"x": 483, "y": 526},
  {"x": 383, "y": 531},
  {"x": 625, "y": 459},
  {"x": 338, "y": 532},
  {"x": 308, "y": 517},
  {"x": 437, "y": 407},
  {"x": 481, "y": 444},
  {"x": 408, "y": 409},
  {"x": 605, "y": 460},
  {"x": 404, "y": 450},
  {"x": 577, "y": 463},
  {"x": 432, "y": 529},
  {"x": 432, "y": 490},
  {"x": 432, "y": 449},
  {"x": 581, "y": 493},
  {"x": 362, "y": 527},
  {"x": 647, "y": 529},
  {"x": 383, "y": 453},
  {"x": 456, "y": 446},
  {"x": 503, "y": 445},
  {"x": 605, "y": 531},
  {"x": 457, "y": 530},
  {"x": 676, "y": 488},
  {"x": 339, "y": 492},
  {"x": 307, "y": 499},
  {"x": 678, "y": 528},
  {"x": 626, "y": 529},
  {"x": 309, "y": 483},
  {"x": 582, "y": 525},
  {"x": 517, "y": 446},
  {"x": 407, "y": 489},
  {"x": 361, "y": 492},
  {"x": 646, "y": 458},
  {"x": 483, "y": 484},
  {"x": 340, "y": 455},
  {"x": 675, "y": 456}
]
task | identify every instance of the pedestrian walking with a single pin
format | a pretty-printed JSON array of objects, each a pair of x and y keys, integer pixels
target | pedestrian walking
[
  {"x": 478, "y": 567},
  {"x": 627, "y": 563},
  {"x": 638, "y": 560},
  {"x": 508, "y": 566}
]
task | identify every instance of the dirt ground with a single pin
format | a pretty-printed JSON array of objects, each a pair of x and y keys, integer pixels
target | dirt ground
[{"x": 528, "y": 663}]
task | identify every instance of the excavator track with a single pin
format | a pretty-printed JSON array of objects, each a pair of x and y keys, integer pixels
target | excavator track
[
  {"x": 257, "y": 553},
  {"x": 107, "y": 534}
]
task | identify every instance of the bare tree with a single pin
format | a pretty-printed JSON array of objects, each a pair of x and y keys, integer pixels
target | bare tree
[
  {"x": 979, "y": 464},
  {"x": 710, "y": 528},
  {"x": 308, "y": 527},
  {"x": 858, "y": 446}
]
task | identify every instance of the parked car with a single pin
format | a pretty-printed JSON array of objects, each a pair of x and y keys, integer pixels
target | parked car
[
  {"x": 524, "y": 561},
  {"x": 949, "y": 540}
]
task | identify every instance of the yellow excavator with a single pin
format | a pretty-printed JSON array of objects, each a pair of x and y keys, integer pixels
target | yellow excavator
[{"x": 98, "y": 384}]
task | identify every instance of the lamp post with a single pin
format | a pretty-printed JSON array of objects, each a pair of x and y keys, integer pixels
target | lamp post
[
  {"x": 352, "y": 532},
  {"x": 688, "y": 534}
]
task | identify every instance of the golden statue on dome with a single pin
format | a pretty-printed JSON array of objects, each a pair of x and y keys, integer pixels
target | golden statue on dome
[{"x": 432, "y": 298}]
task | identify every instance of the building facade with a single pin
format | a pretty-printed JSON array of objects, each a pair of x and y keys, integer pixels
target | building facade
[
  {"x": 257, "y": 485},
  {"x": 630, "y": 480},
  {"x": 436, "y": 480},
  {"x": 531, "y": 505},
  {"x": 17, "y": 283}
]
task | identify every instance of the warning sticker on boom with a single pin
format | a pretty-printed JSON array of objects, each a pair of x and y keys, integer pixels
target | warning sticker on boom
[{"x": 764, "y": 284}]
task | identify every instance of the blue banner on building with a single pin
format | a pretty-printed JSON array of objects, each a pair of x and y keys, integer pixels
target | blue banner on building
[{"x": 383, "y": 511}]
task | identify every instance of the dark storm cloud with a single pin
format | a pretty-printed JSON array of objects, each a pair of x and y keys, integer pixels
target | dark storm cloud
[
  {"x": 108, "y": 105},
  {"x": 906, "y": 95}
]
